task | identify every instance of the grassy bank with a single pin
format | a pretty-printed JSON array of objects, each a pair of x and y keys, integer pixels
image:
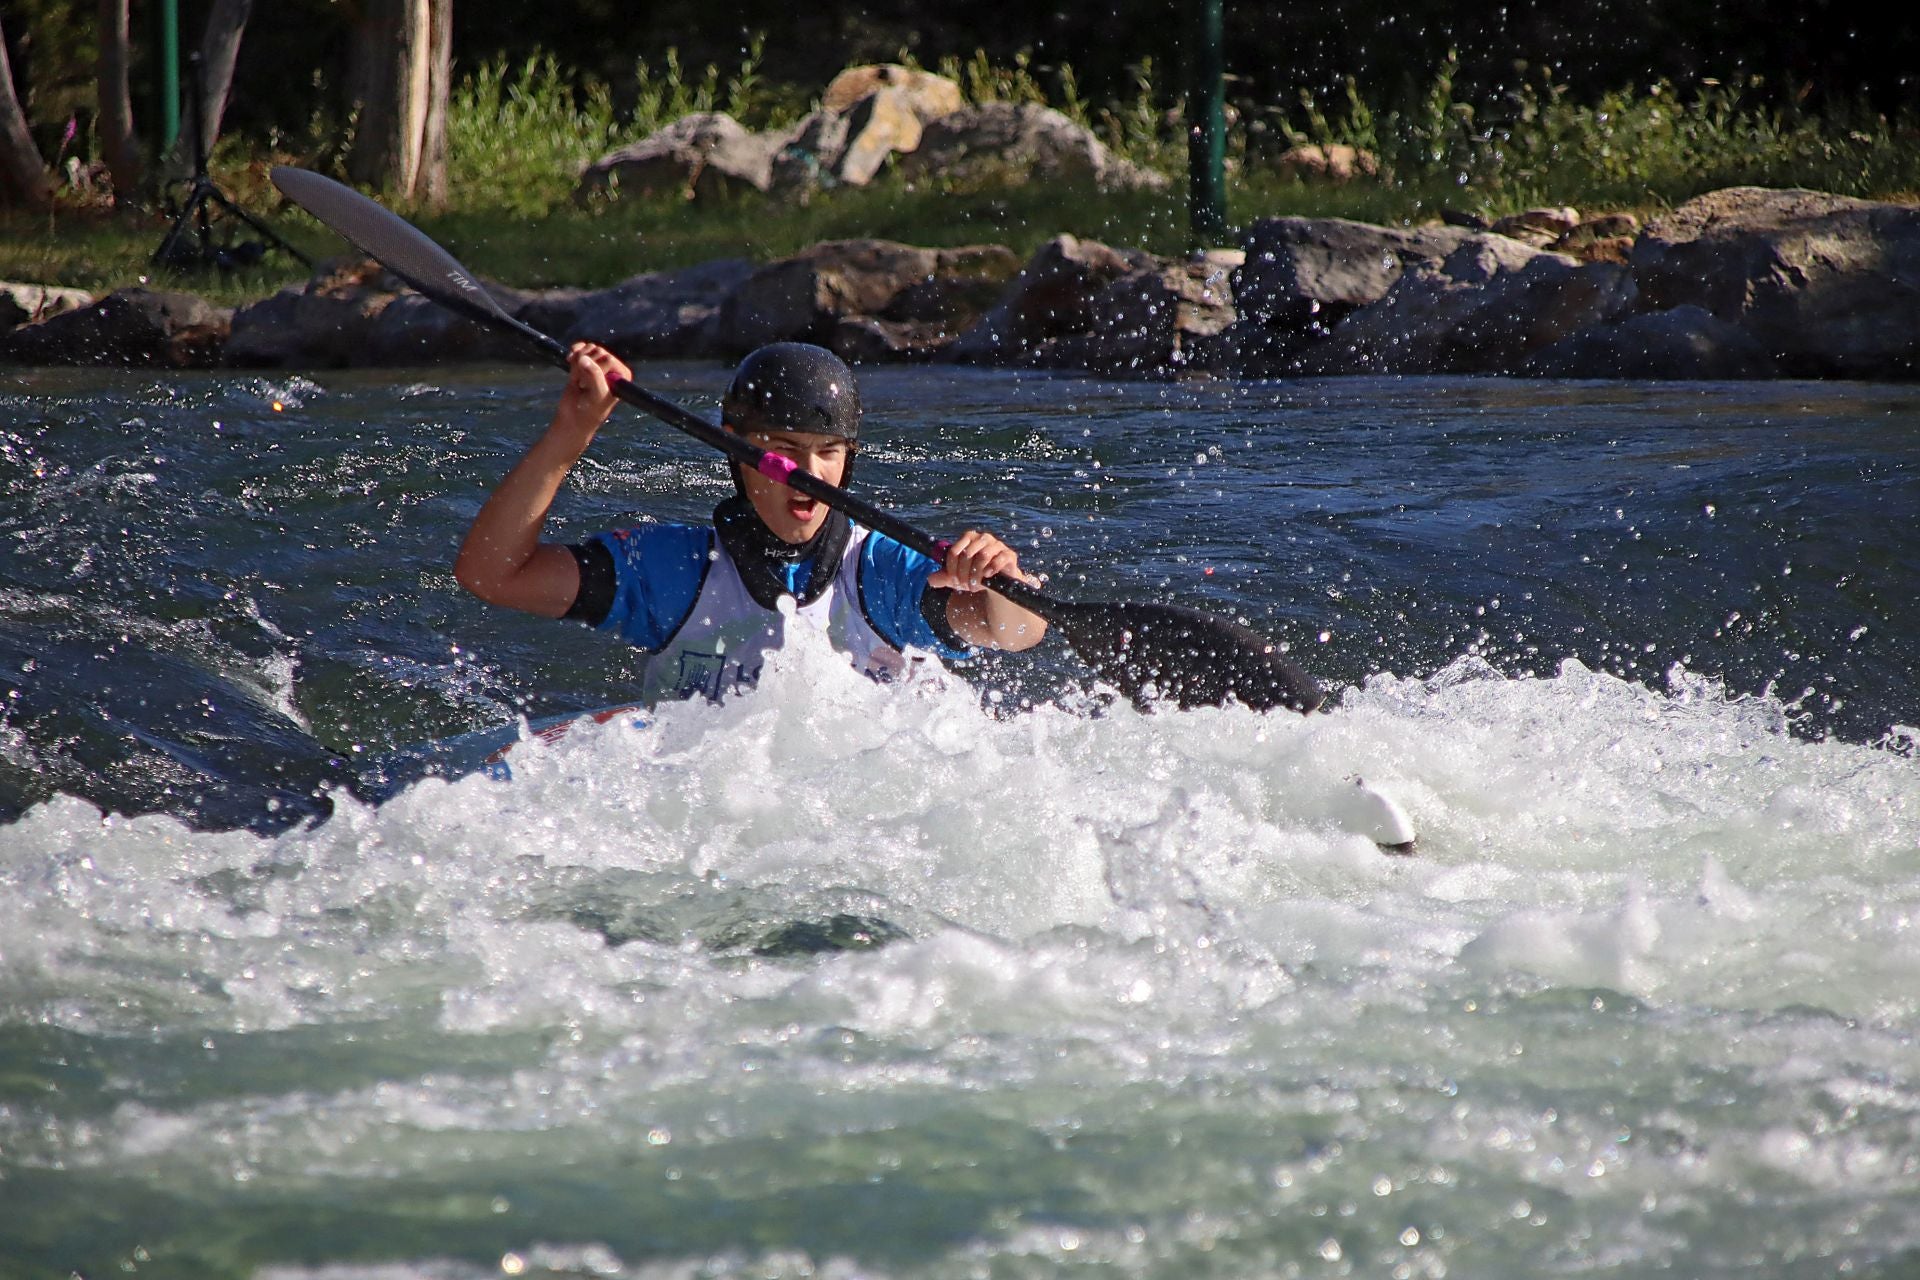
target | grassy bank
[{"x": 518, "y": 136}]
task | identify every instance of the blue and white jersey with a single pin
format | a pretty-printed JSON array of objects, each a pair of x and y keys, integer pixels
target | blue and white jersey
[{"x": 679, "y": 596}]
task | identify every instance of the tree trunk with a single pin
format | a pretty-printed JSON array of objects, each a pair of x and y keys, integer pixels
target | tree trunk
[
  {"x": 219, "y": 50},
  {"x": 430, "y": 185},
  {"x": 402, "y": 60},
  {"x": 116, "y": 102},
  {"x": 23, "y": 175}
]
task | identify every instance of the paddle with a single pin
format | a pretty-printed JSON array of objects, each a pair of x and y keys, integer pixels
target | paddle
[{"x": 1149, "y": 652}]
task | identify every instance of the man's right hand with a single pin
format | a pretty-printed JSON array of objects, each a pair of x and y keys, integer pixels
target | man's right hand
[{"x": 588, "y": 399}]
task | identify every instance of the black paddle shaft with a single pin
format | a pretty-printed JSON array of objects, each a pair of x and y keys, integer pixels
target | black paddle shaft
[{"x": 1150, "y": 652}]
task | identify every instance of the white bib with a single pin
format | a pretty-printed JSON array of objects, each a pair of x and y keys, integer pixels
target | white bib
[{"x": 724, "y": 641}]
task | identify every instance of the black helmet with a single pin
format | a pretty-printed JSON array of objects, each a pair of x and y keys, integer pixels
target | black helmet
[{"x": 793, "y": 386}]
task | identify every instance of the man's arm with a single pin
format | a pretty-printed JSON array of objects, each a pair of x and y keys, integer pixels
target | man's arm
[
  {"x": 978, "y": 614},
  {"x": 503, "y": 560}
]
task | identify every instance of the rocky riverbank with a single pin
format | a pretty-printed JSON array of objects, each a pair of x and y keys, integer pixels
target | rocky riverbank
[{"x": 1741, "y": 283}]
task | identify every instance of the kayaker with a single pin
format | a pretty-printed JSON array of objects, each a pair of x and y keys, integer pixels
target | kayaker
[{"x": 705, "y": 600}]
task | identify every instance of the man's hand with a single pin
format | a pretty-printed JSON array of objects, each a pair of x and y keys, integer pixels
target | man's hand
[
  {"x": 972, "y": 558},
  {"x": 588, "y": 399}
]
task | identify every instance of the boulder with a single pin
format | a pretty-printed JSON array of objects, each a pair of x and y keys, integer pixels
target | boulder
[
  {"x": 1828, "y": 285},
  {"x": 323, "y": 323},
  {"x": 1303, "y": 271},
  {"x": 1490, "y": 305},
  {"x": 805, "y": 297},
  {"x": 31, "y": 303},
  {"x": 928, "y": 96},
  {"x": 133, "y": 327},
  {"x": 415, "y": 330},
  {"x": 878, "y": 340},
  {"x": 656, "y": 316},
  {"x": 696, "y": 156},
  {"x": 879, "y": 126},
  {"x": 804, "y": 162},
  {"x": 1335, "y": 165},
  {"x": 1540, "y": 228},
  {"x": 1052, "y": 297},
  {"x": 1606, "y": 238},
  {"x": 1154, "y": 321},
  {"x": 1687, "y": 342},
  {"x": 848, "y": 148},
  {"x": 1021, "y": 142}
]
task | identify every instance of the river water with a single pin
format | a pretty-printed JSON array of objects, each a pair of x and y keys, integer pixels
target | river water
[{"x": 983, "y": 977}]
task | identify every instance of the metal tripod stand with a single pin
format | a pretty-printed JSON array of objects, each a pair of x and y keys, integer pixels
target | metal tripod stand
[{"x": 194, "y": 240}]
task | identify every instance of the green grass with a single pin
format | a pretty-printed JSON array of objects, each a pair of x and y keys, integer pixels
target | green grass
[{"x": 519, "y": 136}]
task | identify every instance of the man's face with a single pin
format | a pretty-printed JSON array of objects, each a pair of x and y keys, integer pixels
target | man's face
[{"x": 792, "y": 515}]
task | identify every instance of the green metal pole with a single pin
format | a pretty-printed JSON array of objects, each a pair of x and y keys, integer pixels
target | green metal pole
[
  {"x": 1207, "y": 124},
  {"x": 166, "y": 79}
]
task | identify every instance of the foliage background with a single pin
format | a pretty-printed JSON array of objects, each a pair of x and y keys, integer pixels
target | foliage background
[{"x": 1814, "y": 54}]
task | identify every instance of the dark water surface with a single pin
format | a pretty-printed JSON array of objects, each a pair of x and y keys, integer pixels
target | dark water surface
[{"x": 837, "y": 980}]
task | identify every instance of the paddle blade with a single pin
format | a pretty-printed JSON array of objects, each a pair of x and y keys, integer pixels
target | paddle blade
[
  {"x": 1165, "y": 653},
  {"x": 395, "y": 243}
]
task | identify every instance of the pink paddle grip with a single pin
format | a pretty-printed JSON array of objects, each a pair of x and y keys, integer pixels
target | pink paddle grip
[{"x": 776, "y": 467}]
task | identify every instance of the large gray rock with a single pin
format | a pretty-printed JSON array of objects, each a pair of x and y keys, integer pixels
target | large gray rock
[
  {"x": 1052, "y": 297},
  {"x": 1335, "y": 164},
  {"x": 1829, "y": 285},
  {"x": 1486, "y": 309},
  {"x": 846, "y": 148},
  {"x": 657, "y": 316},
  {"x": 1540, "y": 227},
  {"x": 700, "y": 155},
  {"x": 929, "y": 96},
  {"x": 805, "y": 297},
  {"x": 1301, "y": 271},
  {"x": 353, "y": 313},
  {"x": 32, "y": 303},
  {"x": 1685, "y": 343},
  {"x": 1021, "y": 142},
  {"x": 880, "y": 126},
  {"x": 415, "y": 330},
  {"x": 324, "y": 323},
  {"x": 1154, "y": 321},
  {"x": 804, "y": 161},
  {"x": 132, "y": 327}
]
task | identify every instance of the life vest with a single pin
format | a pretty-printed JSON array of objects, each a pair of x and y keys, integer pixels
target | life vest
[{"x": 721, "y": 645}]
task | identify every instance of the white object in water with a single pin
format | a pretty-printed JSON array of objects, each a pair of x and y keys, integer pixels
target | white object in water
[{"x": 1367, "y": 811}]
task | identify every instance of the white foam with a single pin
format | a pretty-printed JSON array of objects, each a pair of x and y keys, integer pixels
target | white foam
[{"x": 1092, "y": 901}]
